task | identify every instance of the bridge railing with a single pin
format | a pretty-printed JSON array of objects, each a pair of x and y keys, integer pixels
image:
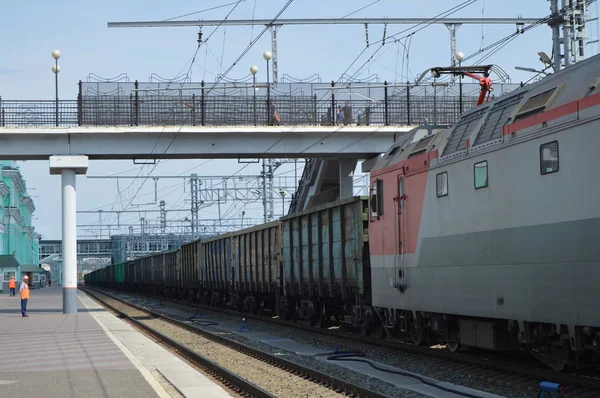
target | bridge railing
[
  {"x": 38, "y": 113},
  {"x": 411, "y": 106}
]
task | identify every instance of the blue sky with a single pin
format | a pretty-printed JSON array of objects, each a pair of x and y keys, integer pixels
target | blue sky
[{"x": 31, "y": 30}]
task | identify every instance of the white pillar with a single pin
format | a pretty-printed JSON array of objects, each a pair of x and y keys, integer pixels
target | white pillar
[
  {"x": 69, "y": 241},
  {"x": 69, "y": 167},
  {"x": 346, "y": 177}
]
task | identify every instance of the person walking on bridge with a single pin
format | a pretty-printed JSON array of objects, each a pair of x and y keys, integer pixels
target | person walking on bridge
[
  {"x": 12, "y": 286},
  {"x": 24, "y": 295}
]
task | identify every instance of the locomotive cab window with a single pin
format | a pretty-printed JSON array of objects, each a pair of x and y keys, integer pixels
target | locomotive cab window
[
  {"x": 377, "y": 198},
  {"x": 549, "y": 157},
  {"x": 441, "y": 184},
  {"x": 481, "y": 174}
]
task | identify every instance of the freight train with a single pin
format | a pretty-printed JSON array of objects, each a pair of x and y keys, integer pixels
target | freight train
[
  {"x": 485, "y": 234},
  {"x": 311, "y": 266}
]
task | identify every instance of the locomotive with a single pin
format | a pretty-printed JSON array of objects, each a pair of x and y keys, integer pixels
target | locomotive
[{"x": 484, "y": 234}]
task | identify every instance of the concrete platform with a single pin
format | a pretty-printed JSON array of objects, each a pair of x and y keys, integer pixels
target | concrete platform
[{"x": 91, "y": 354}]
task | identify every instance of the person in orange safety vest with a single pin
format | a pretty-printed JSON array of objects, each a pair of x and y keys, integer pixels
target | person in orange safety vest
[
  {"x": 12, "y": 285},
  {"x": 24, "y": 295}
]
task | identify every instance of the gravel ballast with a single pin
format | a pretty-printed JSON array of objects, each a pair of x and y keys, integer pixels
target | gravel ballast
[
  {"x": 438, "y": 369},
  {"x": 278, "y": 382}
]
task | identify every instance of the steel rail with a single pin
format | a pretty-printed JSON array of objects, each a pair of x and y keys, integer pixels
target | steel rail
[
  {"x": 331, "y": 382},
  {"x": 568, "y": 380},
  {"x": 211, "y": 367}
]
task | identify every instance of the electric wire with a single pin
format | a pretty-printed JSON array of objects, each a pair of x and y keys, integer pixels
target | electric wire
[
  {"x": 218, "y": 79},
  {"x": 428, "y": 22},
  {"x": 252, "y": 43},
  {"x": 205, "y": 10},
  {"x": 540, "y": 22},
  {"x": 466, "y": 3},
  {"x": 181, "y": 127},
  {"x": 502, "y": 43},
  {"x": 360, "y": 9},
  {"x": 454, "y": 9}
]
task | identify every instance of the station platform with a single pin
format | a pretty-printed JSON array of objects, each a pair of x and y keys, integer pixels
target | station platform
[{"x": 91, "y": 354}]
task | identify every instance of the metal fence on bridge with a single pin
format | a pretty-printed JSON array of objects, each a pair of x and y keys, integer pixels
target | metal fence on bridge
[{"x": 242, "y": 104}]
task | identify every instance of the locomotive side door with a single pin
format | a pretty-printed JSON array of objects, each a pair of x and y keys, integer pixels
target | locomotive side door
[{"x": 401, "y": 210}]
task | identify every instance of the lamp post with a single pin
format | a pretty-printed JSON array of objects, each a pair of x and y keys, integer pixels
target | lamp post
[
  {"x": 282, "y": 193},
  {"x": 56, "y": 69},
  {"x": 459, "y": 57},
  {"x": 254, "y": 71},
  {"x": 267, "y": 56}
]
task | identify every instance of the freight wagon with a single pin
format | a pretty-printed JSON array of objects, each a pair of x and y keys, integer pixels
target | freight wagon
[
  {"x": 326, "y": 268},
  {"x": 311, "y": 266}
]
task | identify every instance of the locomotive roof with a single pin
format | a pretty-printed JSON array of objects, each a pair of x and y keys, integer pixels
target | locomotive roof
[{"x": 482, "y": 126}]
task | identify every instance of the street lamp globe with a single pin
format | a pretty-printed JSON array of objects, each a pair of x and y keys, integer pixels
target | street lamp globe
[
  {"x": 267, "y": 55},
  {"x": 281, "y": 192},
  {"x": 55, "y": 68},
  {"x": 254, "y": 69},
  {"x": 460, "y": 56},
  {"x": 56, "y": 54}
]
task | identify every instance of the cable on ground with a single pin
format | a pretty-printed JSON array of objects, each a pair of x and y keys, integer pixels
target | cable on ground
[{"x": 349, "y": 356}]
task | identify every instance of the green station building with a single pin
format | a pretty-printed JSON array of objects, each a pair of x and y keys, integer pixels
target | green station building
[{"x": 19, "y": 243}]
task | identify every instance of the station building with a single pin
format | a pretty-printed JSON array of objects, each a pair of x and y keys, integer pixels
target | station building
[{"x": 19, "y": 243}]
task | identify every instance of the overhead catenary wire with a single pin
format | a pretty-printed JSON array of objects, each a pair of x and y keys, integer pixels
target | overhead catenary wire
[
  {"x": 497, "y": 46},
  {"x": 362, "y": 8},
  {"x": 397, "y": 36},
  {"x": 205, "y": 10},
  {"x": 269, "y": 148},
  {"x": 218, "y": 79},
  {"x": 540, "y": 22},
  {"x": 429, "y": 22},
  {"x": 245, "y": 166},
  {"x": 264, "y": 30},
  {"x": 252, "y": 43},
  {"x": 181, "y": 127}
]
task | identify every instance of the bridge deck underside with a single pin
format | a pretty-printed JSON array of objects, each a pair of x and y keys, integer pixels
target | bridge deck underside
[{"x": 196, "y": 142}]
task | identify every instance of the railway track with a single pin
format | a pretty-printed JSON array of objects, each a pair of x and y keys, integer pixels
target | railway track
[
  {"x": 398, "y": 353},
  {"x": 292, "y": 376}
]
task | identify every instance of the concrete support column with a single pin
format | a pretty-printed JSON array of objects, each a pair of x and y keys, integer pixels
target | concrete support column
[
  {"x": 69, "y": 241},
  {"x": 346, "y": 177},
  {"x": 68, "y": 167}
]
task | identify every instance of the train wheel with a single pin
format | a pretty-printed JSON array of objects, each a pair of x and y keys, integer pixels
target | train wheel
[
  {"x": 321, "y": 318},
  {"x": 416, "y": 330},
  {"x": 320, "y": 322},
  {"x": 418, "y": 336},
  {"x": 261, "y": 307},
  {"x": 453, "y": 342},
  {"x": 557, "y": 357},
  {"x": 366, "y": 325},
  {"x": 288, "y": 313}
]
